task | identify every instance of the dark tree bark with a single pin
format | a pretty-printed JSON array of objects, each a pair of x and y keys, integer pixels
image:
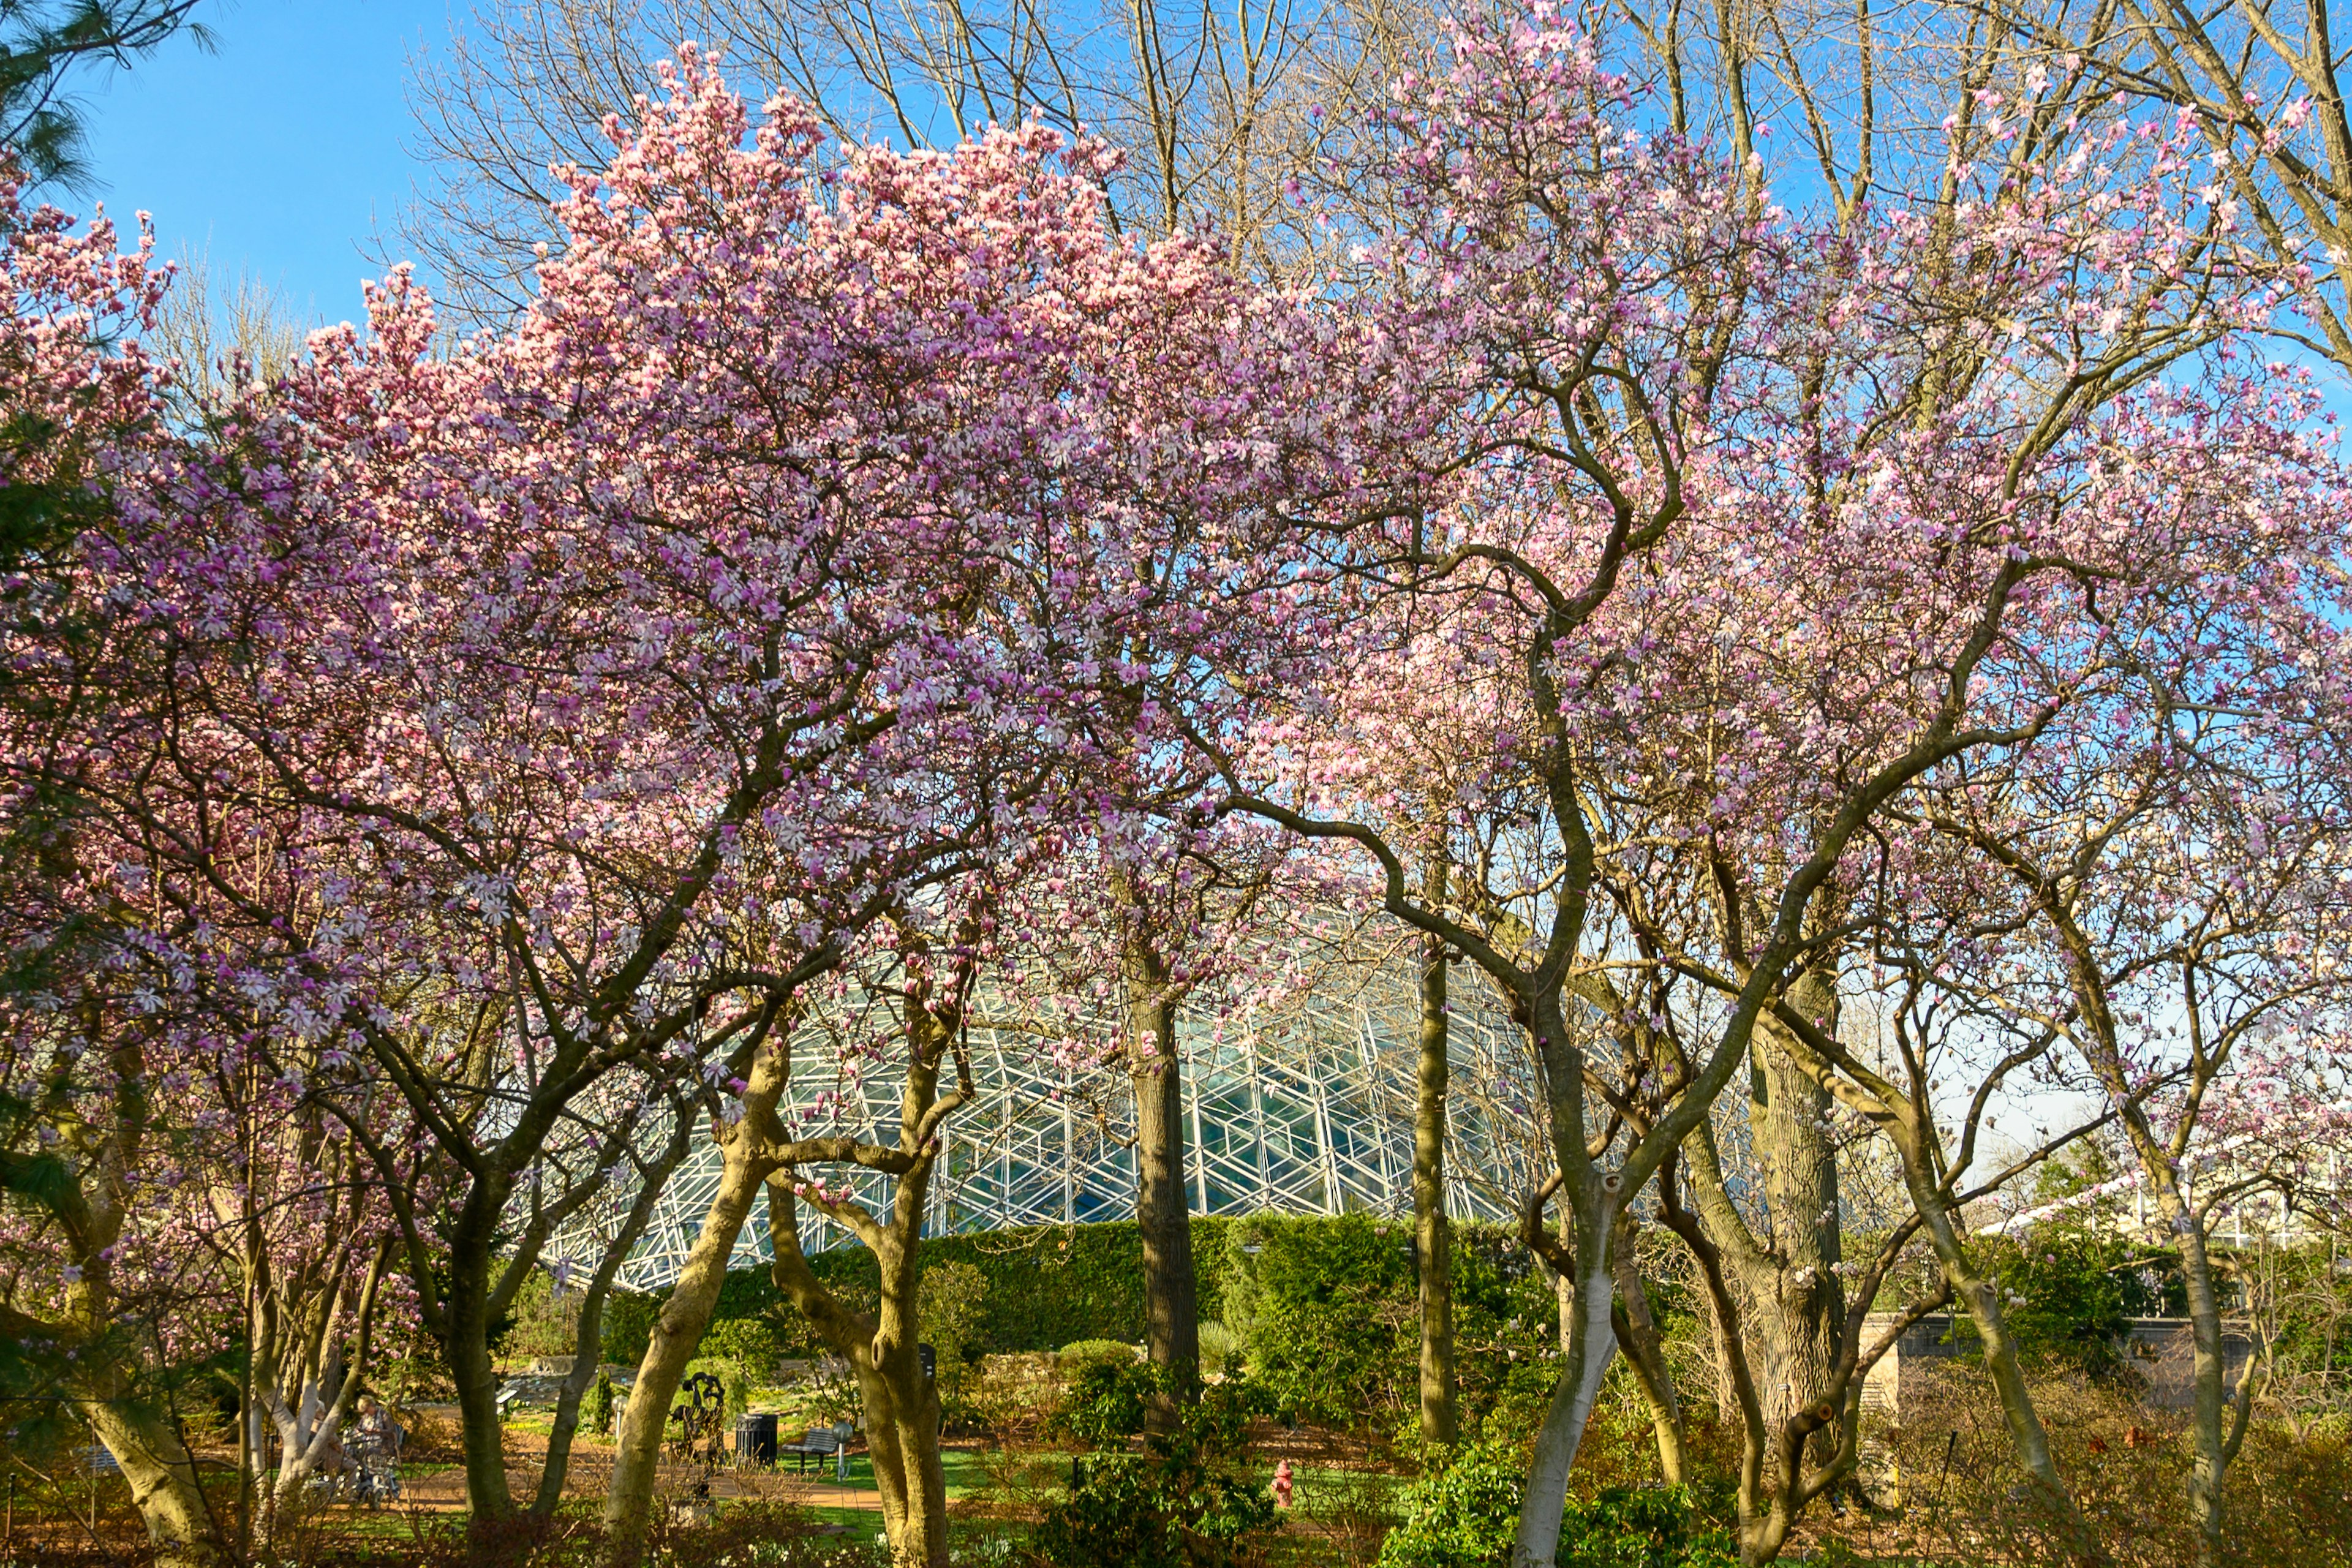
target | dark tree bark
[
  {"x": 1433, "y": 1237},
  {"x": 1172, "y": 1302}
]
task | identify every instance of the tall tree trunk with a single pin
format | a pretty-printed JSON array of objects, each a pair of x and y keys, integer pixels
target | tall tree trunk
[
  {"x": 1907, "y": 1122},
  {"x": 901, "y": 1403},
  {"x": 1796, "y": 1313},
  {"x": 2218, "y": 1420},
  {"x": 104, "y": 1383},
  {"x": 1591, "y": 1342},
  {"x": 901, "y": 1406},
  {"x": 1980, "y": 1298},
  {"x": 1433, "y": 1240},
  {"x": 678, "y": 1331},
  {"x": 1644, "y": 1345},
  {"x": 1594, "y": 1201},
  {"x": 1775, "y": 1288},
  {"x": 481, "y": 1433},
  {"x": 1163, "y": 1213},
  {"x": 677, "y": 1335},
  {"x": 162, "y": 1479},
  {"x": 2218, "y": 1414},
  {"x": 587, "y": 1339}
]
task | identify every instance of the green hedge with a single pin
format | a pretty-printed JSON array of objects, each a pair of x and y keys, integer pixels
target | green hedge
[
  {"x": 1324, "y": 1307},
  {"x": 1329, "y": 1309},
  {"x": 1047, "y": 1285}
]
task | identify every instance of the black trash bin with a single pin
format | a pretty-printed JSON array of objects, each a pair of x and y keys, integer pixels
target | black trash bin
[{"x": 755, "y": 1439}]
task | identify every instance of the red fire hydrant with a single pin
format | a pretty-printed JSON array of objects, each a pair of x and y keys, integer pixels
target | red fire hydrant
[{"x": 1282, "y": 1484}]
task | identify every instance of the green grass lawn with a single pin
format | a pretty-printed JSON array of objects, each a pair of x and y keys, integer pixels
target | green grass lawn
[
  {"x": 859, "y": 1525},
  {"x": 966, "y": 1472}
]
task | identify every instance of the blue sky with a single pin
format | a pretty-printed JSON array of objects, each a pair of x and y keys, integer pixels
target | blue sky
[{"x": 281, "y": 153}]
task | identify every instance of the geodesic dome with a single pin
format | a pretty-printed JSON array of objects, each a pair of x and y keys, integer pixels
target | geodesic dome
[{"x": 1305, "y": 1107}]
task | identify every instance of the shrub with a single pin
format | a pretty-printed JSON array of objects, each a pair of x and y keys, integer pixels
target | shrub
[
  {"x": 1184, "y": 1503},
  {"x": 1105, "y": 1401},
  {"x": 2071, "y": 1291},
  {"x": 1325, "y": 1308},
  {"x": 1046, "y": 1285},
  {"x": 1649, "y": 1527},
  {"x": 1462, "y": 1515},
  {"x": 750, "y": 1342},
  {"x": 1013, "y": 1392},
  {"x": 1465, "y": 1513},
  {"x": 1507, "y": 1328},
  {"x": 949, "y": 1306},
  {"x": 628, "y": 1325},
  {"x": 596, "y": 1410}
]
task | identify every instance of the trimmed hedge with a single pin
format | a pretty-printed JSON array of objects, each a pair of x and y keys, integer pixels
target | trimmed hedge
[
  {"x": 1047, "y": 1285},
  {"x": 1324, "y": 1306}
]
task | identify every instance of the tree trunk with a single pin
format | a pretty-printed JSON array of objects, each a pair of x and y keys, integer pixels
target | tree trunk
[
  {"x": 481, "y": 1432},
  {"x": 587, "y": 1339},
  {"x": 678, "y": 1331},
  {"x": 2211, "y": 1436},
  {"x": 1795, "y": 1313},
  {"x": 677, "y": 1335},
  {"x": 1776, "y": 1296},
  {"x": 902, "y": 1432},
  {"x": 1163, "y": 1215},
  {"x": 901, "y": 1406},
  {"x": 1591, "y": 1341},
  {"x": 2216, "y": 1421},
  {"x": 162, "y": 1480},
  {"x": 1644, "y": 1345},
  {"x": 1981, "y": 1299},
  {"x": 1593, "y": 1199},
  {"x": 1433, "y": 1240}
]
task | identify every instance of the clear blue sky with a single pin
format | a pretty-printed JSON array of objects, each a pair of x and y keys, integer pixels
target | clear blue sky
[{"x": 281, "y": 151}]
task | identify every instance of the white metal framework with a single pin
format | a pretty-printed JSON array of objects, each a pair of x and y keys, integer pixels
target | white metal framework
[{"x": 1305, "y": 1109}]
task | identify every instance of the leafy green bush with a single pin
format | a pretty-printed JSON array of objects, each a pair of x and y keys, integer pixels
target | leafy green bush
[
  {"x": 1325, "y": 1308},
  {"x": 1046, "y": 1285},
  {"x": 596, "y": 1410},
  {"x": 2071, "y": 1293},
  {"x": 1186, "y": 1501},
  {"x": 1506, "y": 1331},
  {"x": 1647, "y": 1526},
  {"x": 1103, "y": 1403},
  {"x": 1462, "y": 1515},
  {"x": 949, "y": 1302},
  {"x": 1320, "y": 1296},
  {"x": 1465, "y": 1513},
  {"x": 750, "y": 1343},
  {"x": 628, "y": 1325},
  {"x": 1220, "y": 1346},
  {"x": 1072, "y": 1356}
]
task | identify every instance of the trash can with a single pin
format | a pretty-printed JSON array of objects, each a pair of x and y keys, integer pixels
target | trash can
[{"x": 755, "y": 1441}]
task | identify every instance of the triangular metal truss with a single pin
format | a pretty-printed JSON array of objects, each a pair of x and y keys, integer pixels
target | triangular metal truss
[{"x": 1305, "y": 1107}]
